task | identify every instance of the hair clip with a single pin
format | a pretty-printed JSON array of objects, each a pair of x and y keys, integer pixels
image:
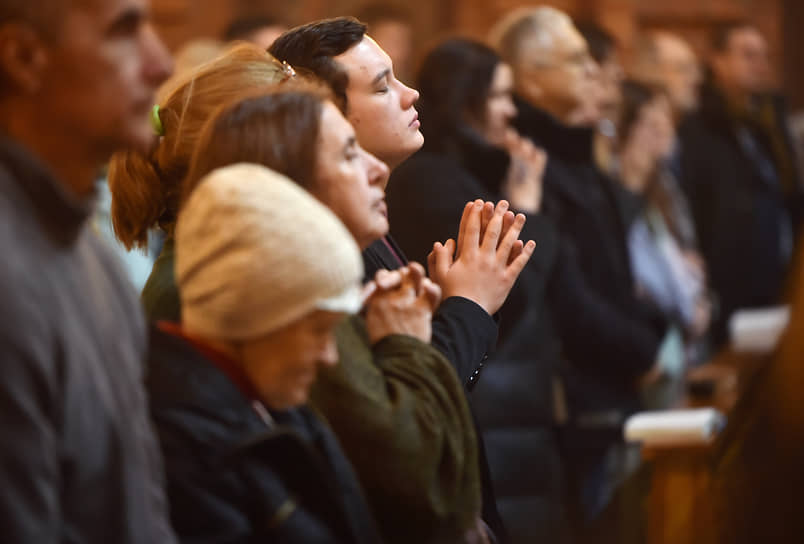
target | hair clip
[
  {"x": 156, "y": 122},
  {"x": 288, "y": 70}
]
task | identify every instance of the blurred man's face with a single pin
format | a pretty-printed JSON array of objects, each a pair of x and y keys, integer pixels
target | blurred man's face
[
  {"x": 380, "y": 107},
  {"x": 100, "y": 75},
  {"x": 558, "y": 76},
  {"x": 744, "y": 67},
  {"x": 679, "y": 73}
]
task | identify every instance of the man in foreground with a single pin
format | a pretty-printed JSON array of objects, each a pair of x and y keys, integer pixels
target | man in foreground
[{"x": 79, "y": 462}]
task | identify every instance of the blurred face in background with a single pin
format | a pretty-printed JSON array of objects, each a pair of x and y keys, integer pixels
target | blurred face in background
[
  {"x": 610, "y": 77},
  {"x": 558, "y": 74},
  {"x": 744, "y": 66},
  {"x": 678, "y": 72},
  {"x": 653, "y": 131},
  {"x": 499, "y": 107}
]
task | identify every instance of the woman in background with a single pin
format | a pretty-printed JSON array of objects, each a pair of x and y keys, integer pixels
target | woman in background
[{"x": 670, "y": 277}]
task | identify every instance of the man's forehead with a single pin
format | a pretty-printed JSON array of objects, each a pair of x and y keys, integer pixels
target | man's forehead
[{"x": 365, "y": 59}]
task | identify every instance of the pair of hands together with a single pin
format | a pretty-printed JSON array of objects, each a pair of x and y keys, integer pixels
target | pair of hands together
[{"x": 481, "y": 265}]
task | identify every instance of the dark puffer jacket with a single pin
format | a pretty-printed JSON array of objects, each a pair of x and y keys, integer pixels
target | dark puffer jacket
[{"x": 235, "y": 476}]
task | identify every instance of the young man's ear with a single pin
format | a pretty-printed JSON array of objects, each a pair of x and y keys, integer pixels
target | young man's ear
[{"x": 23, "y": 58}]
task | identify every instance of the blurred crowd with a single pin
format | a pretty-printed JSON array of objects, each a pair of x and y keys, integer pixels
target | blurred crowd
[{"x": 378, "y": 302}]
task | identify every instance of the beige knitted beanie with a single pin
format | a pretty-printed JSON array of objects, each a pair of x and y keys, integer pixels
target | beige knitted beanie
[{"x": 255, "y": 252}]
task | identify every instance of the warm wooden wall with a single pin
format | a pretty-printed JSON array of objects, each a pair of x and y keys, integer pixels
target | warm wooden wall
[{"x": 782, "y": 21}]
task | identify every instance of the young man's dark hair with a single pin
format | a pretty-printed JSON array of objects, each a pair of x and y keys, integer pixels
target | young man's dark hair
[{"x": 311, "y": 48}]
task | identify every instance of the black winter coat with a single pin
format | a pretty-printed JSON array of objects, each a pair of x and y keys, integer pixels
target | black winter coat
[
  {"x": 463, "y": 331},
  {"x": 586, "y": 207},
  {"x": 236, "y": 477},
  {"x": 741, "y": 215}
]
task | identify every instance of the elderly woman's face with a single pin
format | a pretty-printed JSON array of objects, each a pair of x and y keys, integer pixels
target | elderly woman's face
[
  {"x": 282, "y": 365},
  {"x": 349, "y": 180}
]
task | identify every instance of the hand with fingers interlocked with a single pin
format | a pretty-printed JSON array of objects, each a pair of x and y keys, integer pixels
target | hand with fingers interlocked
[
  {"x": 401, "y": 302},
  {"x": 488, "y": 257}
]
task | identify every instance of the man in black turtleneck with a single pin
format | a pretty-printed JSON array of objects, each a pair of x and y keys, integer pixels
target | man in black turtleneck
[{"x": 554, "y": 75}]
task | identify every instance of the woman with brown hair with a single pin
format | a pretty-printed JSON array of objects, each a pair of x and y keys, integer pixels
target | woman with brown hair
[{"x": 146, "y": 187}]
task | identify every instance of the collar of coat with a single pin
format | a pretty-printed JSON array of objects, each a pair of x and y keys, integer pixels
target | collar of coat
[
  {"x": 486, "y": 163},
  {"x": 560, "y": 141}
]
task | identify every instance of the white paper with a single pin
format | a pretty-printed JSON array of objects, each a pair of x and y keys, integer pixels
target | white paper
[
  {"x": 758, "y": 331},
  {"x": 674, "y": 427}
]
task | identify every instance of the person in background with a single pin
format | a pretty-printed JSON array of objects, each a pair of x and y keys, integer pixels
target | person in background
[
  {"x": 261, "y": 30},
  {"x": 392, "y": 29},
  {"x": 552, "y": 68},
  {"x": 664, "y": 60},
  {"x": 146, "y": 186},
  {"x": 603, "y": 107},
  {"x": 79, "y": 461},
  {"x": 419, "y": 471},
  {"x": 606, "y": 101},
  {"x": 246, "y": 461},
  {"x": 663, "y": 271},
  {"x": 739, "y": 171}
]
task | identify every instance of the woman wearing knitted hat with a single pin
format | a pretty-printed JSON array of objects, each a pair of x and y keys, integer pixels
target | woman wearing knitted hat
[
  {"x": 394, "y": 401},
  {"x": 245, "y": 461}
]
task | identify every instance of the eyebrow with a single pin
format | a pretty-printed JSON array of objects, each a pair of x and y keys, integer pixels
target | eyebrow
[{"x": 382, "y": 75}]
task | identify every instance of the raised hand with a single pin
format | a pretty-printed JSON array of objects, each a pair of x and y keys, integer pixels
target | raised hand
[
  {"x": 485, "y": 262},
  {"x": 523, "y": 182}
]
